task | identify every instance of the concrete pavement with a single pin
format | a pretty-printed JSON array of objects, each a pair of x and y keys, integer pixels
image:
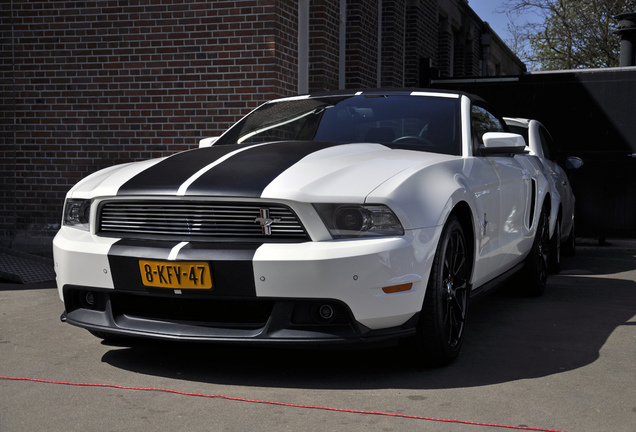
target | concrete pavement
[{"x": 564, "y": 361}]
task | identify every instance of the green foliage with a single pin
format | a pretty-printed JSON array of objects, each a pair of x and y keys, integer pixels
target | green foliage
[{"x": 567, "y": 34}]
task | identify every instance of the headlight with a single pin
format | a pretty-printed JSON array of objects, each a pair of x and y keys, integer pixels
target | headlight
[
  {"x": 350, "y": 220},
  {"x": 77, "y": 213}
]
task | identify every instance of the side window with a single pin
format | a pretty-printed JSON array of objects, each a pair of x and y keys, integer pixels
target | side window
[
  {"x": 546, "y": 144},
  {"x": 483, "y": 121}
]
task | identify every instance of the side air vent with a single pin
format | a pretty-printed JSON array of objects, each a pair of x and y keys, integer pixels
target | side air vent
[{"x": 533, "y": 202}]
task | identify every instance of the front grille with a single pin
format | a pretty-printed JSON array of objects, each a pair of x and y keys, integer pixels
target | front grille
[{"x": 199, "y": 219}]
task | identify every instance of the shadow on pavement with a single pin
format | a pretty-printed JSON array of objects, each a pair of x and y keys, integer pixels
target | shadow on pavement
[{"x": 509, "y": 337}]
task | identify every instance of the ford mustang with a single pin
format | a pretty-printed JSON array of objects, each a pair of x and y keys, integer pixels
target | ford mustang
[{"x": 343, "y": 217}]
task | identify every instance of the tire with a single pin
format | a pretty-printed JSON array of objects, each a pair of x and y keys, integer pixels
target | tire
[
  {"x": 555, "y": 249},
  {"x": 536, "y": 269},
  {"x": 440, "y": 330},
  {"x": 569, "y": 247}
]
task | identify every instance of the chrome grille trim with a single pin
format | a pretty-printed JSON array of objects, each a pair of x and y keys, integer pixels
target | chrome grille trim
[{"x": 197, "y": 219}]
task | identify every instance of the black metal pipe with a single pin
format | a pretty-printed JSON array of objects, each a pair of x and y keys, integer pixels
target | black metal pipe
[{"x": 627, "y": 32}]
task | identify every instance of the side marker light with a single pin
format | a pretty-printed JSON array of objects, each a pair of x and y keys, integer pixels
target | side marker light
[{"x": 397, "y": 288}]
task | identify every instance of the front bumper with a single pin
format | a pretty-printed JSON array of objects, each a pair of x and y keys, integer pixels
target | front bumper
[
  {"x": 237, "y": 321},
  {"x": 270, "y": 292}
]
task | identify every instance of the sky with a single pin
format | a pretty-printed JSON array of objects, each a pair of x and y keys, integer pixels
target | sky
[{"x": 486, "y": 11}]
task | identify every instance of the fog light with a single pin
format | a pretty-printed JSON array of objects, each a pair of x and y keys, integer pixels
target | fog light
[
  {"x": 89, "y": 299},
  {"x": 326, "y": 312}
]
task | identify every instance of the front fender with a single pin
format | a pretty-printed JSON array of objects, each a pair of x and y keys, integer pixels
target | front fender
[{"x": 425, "y": 197}]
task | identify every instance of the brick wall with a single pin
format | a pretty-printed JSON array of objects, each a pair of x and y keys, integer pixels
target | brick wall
[
  {"x": 86, "y": 85},
  {"x": 283, "y": 58},
  {"x": 324, "y": 55},
  {"x": 393, "y": 35},
  {"x": 362, "y": 44},
  {"x": 445, "y": 43},
  {"x": 421, "y": 39}
]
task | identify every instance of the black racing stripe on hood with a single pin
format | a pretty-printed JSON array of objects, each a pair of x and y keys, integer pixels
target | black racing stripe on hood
[
  {"x": 248, "y": 173},
  {"x": 165, "y": 177}
]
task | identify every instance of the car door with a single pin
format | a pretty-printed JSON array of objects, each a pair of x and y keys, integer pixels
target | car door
[{"x": 513, "y": 195}]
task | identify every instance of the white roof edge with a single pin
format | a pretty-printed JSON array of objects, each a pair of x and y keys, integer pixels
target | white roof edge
[
  {"x": 290, "y": 98},
  {"x": 436, "y": 94}
]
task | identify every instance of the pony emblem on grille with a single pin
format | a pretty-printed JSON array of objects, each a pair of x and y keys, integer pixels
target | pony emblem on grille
[{"x": 265, "y": 221}]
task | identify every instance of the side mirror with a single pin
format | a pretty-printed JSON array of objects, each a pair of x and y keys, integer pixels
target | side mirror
[
  {"x": 502, "y": 143},
  {"x": 207, "y": 142},
  {"x": 573, "y": 163}
]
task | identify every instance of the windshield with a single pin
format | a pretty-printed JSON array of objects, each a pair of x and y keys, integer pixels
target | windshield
[{"x": 425, "y": 123}]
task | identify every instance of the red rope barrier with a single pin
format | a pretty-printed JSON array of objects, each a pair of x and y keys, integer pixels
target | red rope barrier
[{"x": 291, "y": 405}]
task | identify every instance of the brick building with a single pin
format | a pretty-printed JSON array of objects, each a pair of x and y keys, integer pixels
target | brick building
[{"x": 88, "y": 84}]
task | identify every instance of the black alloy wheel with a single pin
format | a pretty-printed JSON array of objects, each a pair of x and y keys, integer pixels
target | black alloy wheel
[
  {"x": 443, "y": 318},
  {"x": 537, "y": 262}
]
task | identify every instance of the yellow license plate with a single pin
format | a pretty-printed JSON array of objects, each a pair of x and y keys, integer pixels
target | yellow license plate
[{"x": 177, "y": 275}]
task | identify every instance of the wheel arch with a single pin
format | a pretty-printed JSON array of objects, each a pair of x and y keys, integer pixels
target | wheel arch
[
  {"x": 441, "y": 324},
  {"x": 545, "y": 204},
  {"x": 551, "y": 203},
  {"x": 464, "y": 215}
]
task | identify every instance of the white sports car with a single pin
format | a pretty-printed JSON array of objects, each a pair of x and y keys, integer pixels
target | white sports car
[
  {"x": 340, "y": 217},
  {"x": 542, "y": 145}
]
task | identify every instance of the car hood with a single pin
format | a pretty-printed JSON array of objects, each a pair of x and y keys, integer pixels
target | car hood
[{"x": 300, "y": 171}]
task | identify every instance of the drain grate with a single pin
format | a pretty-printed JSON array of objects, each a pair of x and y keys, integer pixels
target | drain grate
[{"x": 24, "y": 268}]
